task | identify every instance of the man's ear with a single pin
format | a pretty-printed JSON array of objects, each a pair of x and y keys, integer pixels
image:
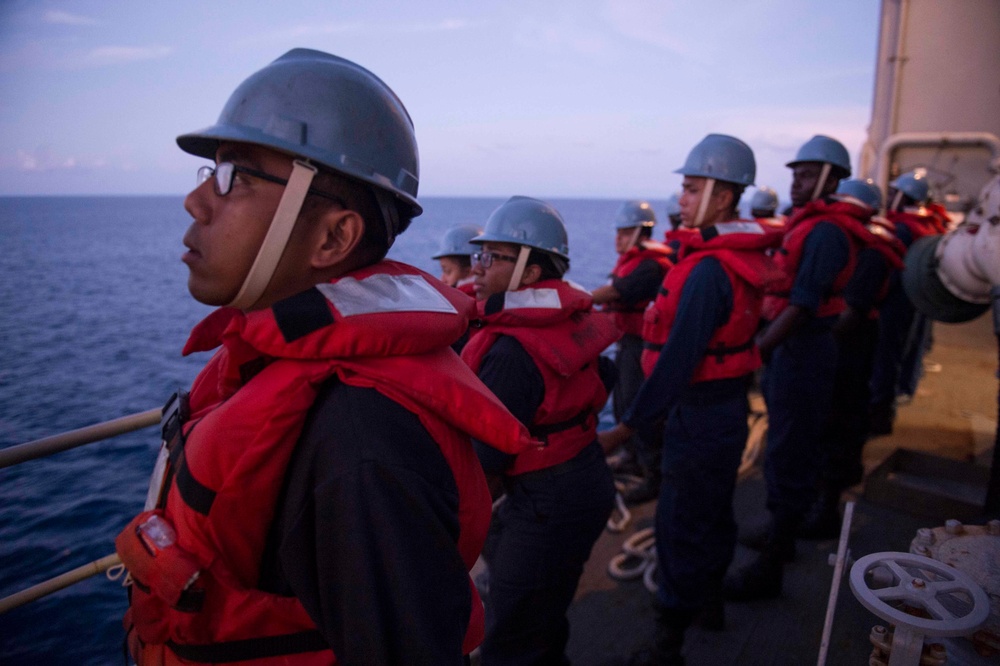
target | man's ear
[
  {"x": 338, "y": 234},
  {"x": 725, "y": 200},
  {"x": 531, "y": 275}
]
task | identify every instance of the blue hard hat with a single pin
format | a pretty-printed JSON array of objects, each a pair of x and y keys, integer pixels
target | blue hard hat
[
  {"x": 529, "y": 222},
  {"x": 329, "y": 110},
  {"x": 823, "y": 149},
  {"x": 865, "y": 191},
  {"x": 721, "y": 157},
  {"x": 455, "y": 241},
  {"x": 673, "y": 205},
  {"x": 913, "y": 184},
  {"x": 764, "y": 198},
  {"x": 635, "y": 214}
]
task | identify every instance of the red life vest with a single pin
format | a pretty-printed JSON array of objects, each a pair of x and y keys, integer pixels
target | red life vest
[
  {"x": 892, "y": 250},
  {"x": 467, "y": 287},
  {"x": 941, "y": 221},
  {"x": 851, "y": 219},
  {"x": 386, "y": 327},
  {"x": 919, "y": 224},
  {"x": 740, "y": 247},
  {"x": 776, "y": 223},
  {"x": 629, "y": 318},
  {"x": 555, "y": 323}
]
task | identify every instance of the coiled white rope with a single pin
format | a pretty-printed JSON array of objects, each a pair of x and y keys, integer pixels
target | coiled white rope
[{"x": 637, "y": 559}]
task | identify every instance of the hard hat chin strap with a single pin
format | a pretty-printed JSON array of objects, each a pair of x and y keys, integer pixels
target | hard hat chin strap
[
  {"x": 278, "y": 233},
  {"x": 522, "y": 262},
  {"x": 821, "y": 182},
  {"x": 896, "y": 200},
  {"x": 703, "y": 204},
  {"x": 390, "y": 214},
  {"x": 635, "y": 237}
]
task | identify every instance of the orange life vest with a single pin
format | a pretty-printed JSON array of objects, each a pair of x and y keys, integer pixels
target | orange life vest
[
  {"x": 385, "y": 327},
  {"x": 740, "y": 247},
  {"x": 629, "y": 318},
  {"x": 555, "y": 323}
]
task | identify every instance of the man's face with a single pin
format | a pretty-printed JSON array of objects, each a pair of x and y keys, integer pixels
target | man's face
[
  {"x": 624, "y": 239},
  {"x": 496, "y": 278},
  {"x": 804, "y": 178},
  {"x": 452, "y": 271},
  {"x": 227, "y": 231},
  {"x": 692, "y": 190}
]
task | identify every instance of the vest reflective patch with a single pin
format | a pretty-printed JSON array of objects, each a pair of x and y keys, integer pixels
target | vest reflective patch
[
  {"x": 532, "y": 298},
  {"x": 385, "y": 293},
  {"x": 739, "y": 228}
]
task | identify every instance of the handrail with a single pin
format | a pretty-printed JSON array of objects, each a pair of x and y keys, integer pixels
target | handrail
[
  {"x": 59, "y": 582},
  {"x": 14, "y": 455}
]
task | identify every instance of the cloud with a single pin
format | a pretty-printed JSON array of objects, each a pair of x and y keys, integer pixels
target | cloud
[
  {"x": 559, "y": 37},
  {"x": 42, "y": 160},
  {"x": 65, "y": 18},
  {"x": 118, "y": 55},
  {"x": 359, "y": 27}
]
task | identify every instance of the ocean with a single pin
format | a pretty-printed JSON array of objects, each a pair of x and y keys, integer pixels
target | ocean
[{"x": 94, "y": 311}]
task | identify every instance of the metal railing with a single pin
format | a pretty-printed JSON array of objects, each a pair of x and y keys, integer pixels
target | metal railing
[{"x": 46, "y": 446}]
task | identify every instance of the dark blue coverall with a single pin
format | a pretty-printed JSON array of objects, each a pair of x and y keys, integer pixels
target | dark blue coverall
[
  {"x": 847, "y": 430},
  {"x": 542, "y": 534},
  {"x": 797, "y": 383},
  {"x": 703, "y": 441}
]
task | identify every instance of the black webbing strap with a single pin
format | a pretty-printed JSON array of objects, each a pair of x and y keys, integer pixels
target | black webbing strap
[
  {"x": 720, "y": 351},
  {"x": 542, "y": 432},
  {"x": 197, "y": 496},
  {"x": 251, "y": 648}
]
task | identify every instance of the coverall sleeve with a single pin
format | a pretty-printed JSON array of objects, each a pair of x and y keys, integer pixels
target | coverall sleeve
[
  {"x": 370, "y": 545},
  {"x": 705, "y": 304},
  {"x": 510, "y": 373},
  {"x": 639, "y": 285},
  {"x": 869, "y": 275},
  {"x": 824, "y": 255}
]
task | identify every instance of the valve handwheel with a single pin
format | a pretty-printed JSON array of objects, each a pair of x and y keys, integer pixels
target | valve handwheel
[{"x": 956, "y": 604}]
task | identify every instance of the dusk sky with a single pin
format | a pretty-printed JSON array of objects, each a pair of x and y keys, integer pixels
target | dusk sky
[{"x": 581, "y": 98}]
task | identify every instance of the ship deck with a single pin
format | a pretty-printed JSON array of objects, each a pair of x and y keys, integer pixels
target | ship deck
[{"x": 952, "y": 416}]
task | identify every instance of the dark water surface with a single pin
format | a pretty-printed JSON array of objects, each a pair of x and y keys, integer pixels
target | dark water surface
[{"x": 94, "y": 311}]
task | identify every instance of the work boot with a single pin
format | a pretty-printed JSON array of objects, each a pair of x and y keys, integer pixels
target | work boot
[
  {"x": 761, "y": 538},
  {"x": 823, "y": 519},
  {"x": 880, "y": 418},
  {"x": 761, "y": 578}
]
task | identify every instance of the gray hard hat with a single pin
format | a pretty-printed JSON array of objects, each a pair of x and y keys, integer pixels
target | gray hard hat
[
  {"x": 765, "y": 198},
  {"x": 913, "y": 184},
  {"x": 455, "y": 241},
  {"x": 635, "y": 214},
  {"x": 329, "y": 110},
  {"x": 865, "y": 191},
  {"x": 529, "y": 222},
  {"x": 721, "y": 157},
  {"x": 823, "y": 149},
  {"x": 925, "y": 289}
]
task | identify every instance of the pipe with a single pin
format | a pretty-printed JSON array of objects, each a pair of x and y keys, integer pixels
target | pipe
[
  {"x": 20, "y": 453},
  {"x": 61, "y": 581},
  {"x": 838, "y": 572}
]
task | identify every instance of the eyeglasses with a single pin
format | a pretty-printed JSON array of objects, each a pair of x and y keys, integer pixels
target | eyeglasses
[
  {"x": 225, "y": 171},
  {"x": 486, "y": 259}
]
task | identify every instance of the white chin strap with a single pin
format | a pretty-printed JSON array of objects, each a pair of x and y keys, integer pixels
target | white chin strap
[
  {"x": 273, "y": 247},
  {"x": 635, "y": 237},
  {"x": 896, "y": 200},
  {"x": 823, "y": 175},
  {"x": 703, "y": 204},
  {"x": 522, "y": 262}
]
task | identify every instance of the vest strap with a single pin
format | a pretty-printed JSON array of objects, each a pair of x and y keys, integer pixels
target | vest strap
[
  {"x": 251, "y": 648},
  {"x": 196, "y": 495},
  {"x": 543, "y": 431}
]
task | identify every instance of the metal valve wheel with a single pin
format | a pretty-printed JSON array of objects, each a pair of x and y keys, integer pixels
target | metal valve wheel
[{"x": 956, "y": 604}]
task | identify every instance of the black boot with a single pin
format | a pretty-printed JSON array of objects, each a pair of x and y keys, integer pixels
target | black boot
[
  {"x": 762, "y": 538},
  {"x": 761, "y": 578},
  {"x": 823, "y": 519}
]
